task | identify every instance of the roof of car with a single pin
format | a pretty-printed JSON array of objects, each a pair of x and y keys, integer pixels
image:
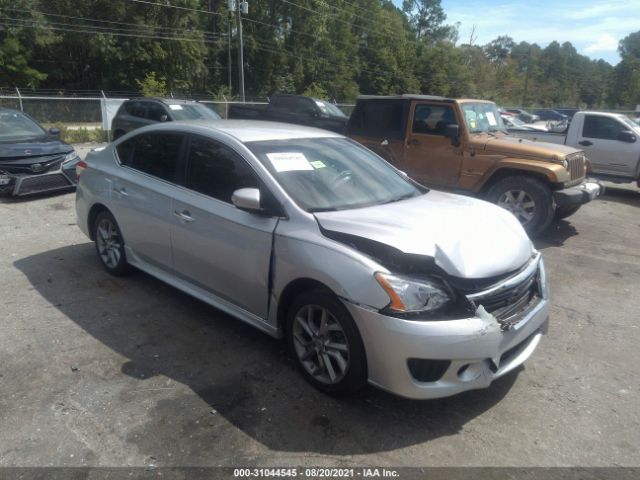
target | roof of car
[
  {"x": 256, "y": 130},
  {"x": 403, "y": 97},
  {"x": 168, "y": 101}
]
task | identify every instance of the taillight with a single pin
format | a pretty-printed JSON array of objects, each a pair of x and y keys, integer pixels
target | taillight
[{"x": 80, "y": 167}]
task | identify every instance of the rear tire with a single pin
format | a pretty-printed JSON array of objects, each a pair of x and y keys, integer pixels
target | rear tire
[
  {"x": 528, "y": 199},
  {"x": 564, "y": 212},
  {"x": 110, "y": 244},
  {"x": 326, "y": 344}
]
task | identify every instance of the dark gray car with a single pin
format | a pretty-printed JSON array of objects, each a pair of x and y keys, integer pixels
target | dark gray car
[{"x": 140, "y": 112}]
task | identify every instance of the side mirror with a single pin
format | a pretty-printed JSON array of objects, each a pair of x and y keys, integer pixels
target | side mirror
[
  {"x": 626, "y": 136},
  {"x": 452, "y": 131},
  {"x": 247, "y": 199},
  {"x": 164, "y": 118},
  {"x": 54, "y": 131}
]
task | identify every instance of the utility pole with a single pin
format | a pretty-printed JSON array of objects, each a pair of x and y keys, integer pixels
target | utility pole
[
  {"x": 241, "y": 6},
  {"x": 526, "y": 79}
]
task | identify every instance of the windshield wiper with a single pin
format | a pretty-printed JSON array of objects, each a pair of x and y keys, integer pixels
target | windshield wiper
[
  {"x": 322, "y": 209},
  {"x": 401, "y": 197}
]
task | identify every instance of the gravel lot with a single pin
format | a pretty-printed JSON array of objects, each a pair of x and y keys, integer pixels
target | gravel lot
[{"x": 96, "y": 370}]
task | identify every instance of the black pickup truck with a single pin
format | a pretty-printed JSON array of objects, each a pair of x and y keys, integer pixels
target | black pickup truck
[{"x": 294, "y": 109}]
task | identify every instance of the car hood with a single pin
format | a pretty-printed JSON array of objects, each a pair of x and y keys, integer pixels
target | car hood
[
  {"x": 510, "y": 145},
  {"x": 33, "y": 148},
  {"x": 467, "y": 238}
]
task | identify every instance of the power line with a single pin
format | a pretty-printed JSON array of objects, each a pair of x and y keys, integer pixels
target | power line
[
  {"x": 168, "y": 5},
  {"x": 136, "y": 25},
  {"x": 16, "y": 22}
]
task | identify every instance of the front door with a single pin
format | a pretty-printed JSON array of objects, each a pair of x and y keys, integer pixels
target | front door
[
  {"x": 215, "y": 245},
  {"x": 608, "y": 154},
  {"x": 430, "y": 157}
]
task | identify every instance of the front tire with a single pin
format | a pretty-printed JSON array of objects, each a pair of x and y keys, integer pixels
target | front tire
[
  {"x": 528, "y": 199},
  {"x": 326, "y": 344},
  {"x": 110, "y": 244}
]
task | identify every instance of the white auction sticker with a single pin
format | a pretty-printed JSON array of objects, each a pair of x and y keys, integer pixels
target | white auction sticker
[
  {"x": 492, "y": 119},
  {"x": 175, "y": 107},
  {"x": 289, "y": 161}
]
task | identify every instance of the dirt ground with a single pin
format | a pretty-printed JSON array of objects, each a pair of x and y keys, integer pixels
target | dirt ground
[{"x": 104, "y": 371}]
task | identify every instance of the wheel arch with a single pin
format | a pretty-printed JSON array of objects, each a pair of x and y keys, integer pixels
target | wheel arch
[
  {"x": 95, "y": 210},
  {"x": 505, "y": 172},
  {"x": 289, "y": 294}
]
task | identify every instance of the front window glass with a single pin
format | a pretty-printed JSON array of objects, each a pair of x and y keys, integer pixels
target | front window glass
[
  {"x": 482, "y": 117},
  {"x": 604, "y": 128},
  {"x": 16, "y": 126},
  {"x": 324, "y": 174},
  {"x": 192, "y": 111},
  {"x": 216, "y": 170},
  {"x": 433, "y": 119}
]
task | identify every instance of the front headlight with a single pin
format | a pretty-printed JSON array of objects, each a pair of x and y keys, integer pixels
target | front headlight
[
  {"x": 72, "y": 155},
  {"x": 565, "y": 164},
  {"x": 411, "y": 295}
]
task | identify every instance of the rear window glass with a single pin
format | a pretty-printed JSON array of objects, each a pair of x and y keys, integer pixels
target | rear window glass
[
  {"x": 379, "y": 119},
  {"x": 154, "y": 154}
]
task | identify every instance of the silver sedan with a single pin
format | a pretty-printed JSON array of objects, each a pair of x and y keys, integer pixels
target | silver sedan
[{"x": 310, "y": 237}]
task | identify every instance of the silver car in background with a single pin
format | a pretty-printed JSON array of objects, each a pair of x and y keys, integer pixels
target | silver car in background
[{"x": 309, "y": 236}]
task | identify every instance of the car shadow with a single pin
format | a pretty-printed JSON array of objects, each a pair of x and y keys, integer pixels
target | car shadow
[
  {"x": 243, "y": 375},
  {"x": 626, "y": 196},
  {"x": 555, "y": 235}
]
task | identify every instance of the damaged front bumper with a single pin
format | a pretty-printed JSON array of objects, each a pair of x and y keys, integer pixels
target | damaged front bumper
[
  {"x": 578, "y": 195},
  {"x": 439, "y": 358},
  {"x": 19, "y": 184}
]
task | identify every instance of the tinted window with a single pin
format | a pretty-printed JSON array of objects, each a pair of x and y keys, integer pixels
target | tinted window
[
  {"x": 155, "y": 111},
  {"x": 137, "y": 109},
  {"x": 601, "y": 127},
  {"x": 216, "y": 170},
  {"x": 294, "y": 104},
  {"x": 156, "y": 154},
  {"x": 379, "y": 119},
  {"x": 433, "y": 119}
]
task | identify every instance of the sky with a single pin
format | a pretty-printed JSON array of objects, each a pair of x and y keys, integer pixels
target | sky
[{"x": 593, "y": 27}]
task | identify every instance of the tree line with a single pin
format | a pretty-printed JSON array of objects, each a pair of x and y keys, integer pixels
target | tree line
[{"x": 334, "y": 49}]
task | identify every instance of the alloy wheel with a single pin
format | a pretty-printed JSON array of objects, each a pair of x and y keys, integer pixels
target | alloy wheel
[
  {"x": 109, "y": 243},
  {"x": 321, "y": 344},
  {"x": 520, "y": 204}
]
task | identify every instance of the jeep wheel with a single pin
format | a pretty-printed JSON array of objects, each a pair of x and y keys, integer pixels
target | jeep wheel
[{"x": 528, "y": 199}]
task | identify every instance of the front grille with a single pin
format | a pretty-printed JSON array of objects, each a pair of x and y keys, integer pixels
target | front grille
[
  {"x": 42, "y": 183},
  {"x": 48, "y": 163},
  {"x": 577, "y": 167},
  {"x": 506, "y": 300}
]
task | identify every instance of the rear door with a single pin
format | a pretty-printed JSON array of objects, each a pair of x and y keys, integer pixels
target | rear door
[
  {"x": 141, "y": 194},
  {"x": 608, "y": 154},
  {"x": 430, "y": 158},
  {"x": 216, "y": 246}
]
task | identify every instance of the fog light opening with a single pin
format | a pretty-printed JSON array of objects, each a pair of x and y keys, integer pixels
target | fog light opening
[{"x": 470, "y": 372}]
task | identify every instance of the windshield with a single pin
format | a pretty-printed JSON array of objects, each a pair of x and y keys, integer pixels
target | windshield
[
  {"x": 513, "y": 121},
  {"x": 631, "y": 124},
  {"x": 329, "y": 108},
  {"x": 482, "y": 117},
  {"x": 16, "y": 126},
  {"x": 192, "y": 111},
  {"x": 324, "y": 174}
]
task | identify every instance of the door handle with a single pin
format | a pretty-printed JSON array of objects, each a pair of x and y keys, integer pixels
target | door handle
[
  {"x": 585, "y": 143},
  {"x": 184, "y": 216},
  {"x": 413, "y": 141},
  {"x": 121, "y": 191}
]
